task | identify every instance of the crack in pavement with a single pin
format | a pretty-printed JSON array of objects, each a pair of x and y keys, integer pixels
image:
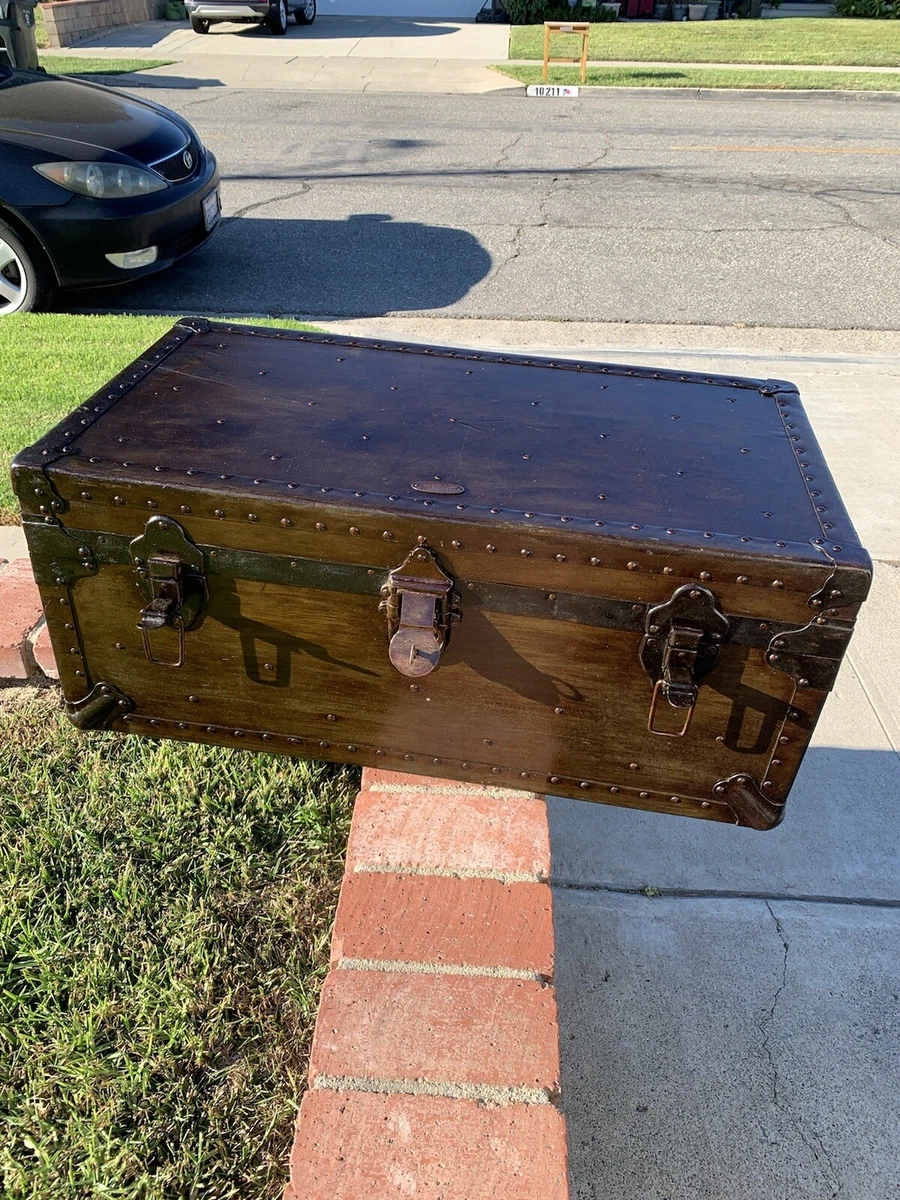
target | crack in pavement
[
  {"x": 257, "y": 204},
  {"x": 810, "y": 1138}
]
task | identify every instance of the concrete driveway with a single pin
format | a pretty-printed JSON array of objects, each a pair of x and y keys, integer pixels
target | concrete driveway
[{"x": 329, "y": 37}]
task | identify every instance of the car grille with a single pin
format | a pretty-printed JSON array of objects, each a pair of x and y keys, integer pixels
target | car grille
[{"x": 175, "y": 168}]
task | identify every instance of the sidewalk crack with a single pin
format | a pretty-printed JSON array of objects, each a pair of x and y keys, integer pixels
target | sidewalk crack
[{"x": 811, "y": 1140}]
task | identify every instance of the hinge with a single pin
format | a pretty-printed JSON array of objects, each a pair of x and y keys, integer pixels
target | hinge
[
  {"x": 171, "y": 573},
  {"x": 57, "y": 557},
  {"x": 811, "y": 655},
  {"x": 679, "y": 649},
  {"x": 420, "y": 605}
]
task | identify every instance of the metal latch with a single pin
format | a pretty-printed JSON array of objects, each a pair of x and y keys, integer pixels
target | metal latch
[
  {"x": 171, "y": 574},
  {"x": 420, "y": 605},
  {"x": 680, "y": 648}
]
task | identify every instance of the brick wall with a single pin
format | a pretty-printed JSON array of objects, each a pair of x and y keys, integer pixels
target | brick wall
[{"x": 69, "y": 21}]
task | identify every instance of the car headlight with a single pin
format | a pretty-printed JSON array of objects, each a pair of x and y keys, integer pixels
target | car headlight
[{"x": 102, "y": 181}]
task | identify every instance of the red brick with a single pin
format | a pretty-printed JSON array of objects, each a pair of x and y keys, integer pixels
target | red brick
[
  {"x": 469, "y": 831},
  {"x": 43, "y": 652},
  {"x": 20, "y": 611},
  {"x": 429, "y": 919},
  {"x": 360, "y": 1146},
  {"x": 440, "y": 1028}
]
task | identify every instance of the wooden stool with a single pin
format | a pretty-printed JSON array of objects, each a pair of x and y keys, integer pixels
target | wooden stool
[{"x": 580, "y": 27}]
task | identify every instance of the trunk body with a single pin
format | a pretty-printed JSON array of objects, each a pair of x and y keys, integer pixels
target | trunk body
[{"x": 618, "y": 585}]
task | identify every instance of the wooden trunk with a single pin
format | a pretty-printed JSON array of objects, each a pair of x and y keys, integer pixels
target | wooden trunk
[{"x": 615, "y": 584}]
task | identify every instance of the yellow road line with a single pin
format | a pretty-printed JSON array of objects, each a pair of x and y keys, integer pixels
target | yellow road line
[{"x": 786, "y": 149}]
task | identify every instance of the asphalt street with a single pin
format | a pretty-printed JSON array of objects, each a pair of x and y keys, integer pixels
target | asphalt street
[{"x": 629, "y": 208}]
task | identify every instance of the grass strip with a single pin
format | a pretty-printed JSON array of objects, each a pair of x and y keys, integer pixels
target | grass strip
[
  {"x": 59, "y": 64},
  {"x": 52, "y": 362},
  {"x": 815, "y": 41},
  {"x": 164, "y": 919},
  {"x": 709, "y": 77}
]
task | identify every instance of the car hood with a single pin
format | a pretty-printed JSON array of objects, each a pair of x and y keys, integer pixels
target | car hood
[{"x": 76, "y": 116}]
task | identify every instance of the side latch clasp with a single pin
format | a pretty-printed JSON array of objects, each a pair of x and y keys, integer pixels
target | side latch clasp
[
  {"x": 679, "y": 649},
  {"x": 171, "y": 574},
  {"x": 420, "y": 605}
]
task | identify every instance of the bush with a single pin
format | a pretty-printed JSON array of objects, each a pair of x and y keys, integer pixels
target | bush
[
  {"x": 879, "y": 10},
  {"x": 534, "y": 12}
]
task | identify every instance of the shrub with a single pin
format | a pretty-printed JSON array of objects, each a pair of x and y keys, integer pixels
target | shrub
[
  {"x": 879, "y": 10},
  {"x": 534, "y": 12}
]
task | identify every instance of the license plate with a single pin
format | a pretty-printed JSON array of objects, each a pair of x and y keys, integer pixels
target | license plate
[
  {"x": 211, "y": 209},
  {"x": 551, "y": 89}
]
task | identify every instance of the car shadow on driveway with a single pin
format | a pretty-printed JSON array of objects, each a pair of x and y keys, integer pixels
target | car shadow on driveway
[{"x": 367, "y": 265}]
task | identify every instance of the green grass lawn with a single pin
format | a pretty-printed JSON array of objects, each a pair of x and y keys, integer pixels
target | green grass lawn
[
  {"x": 826, "y": 41},
  {"x": 164, "y": 917},
  {"x": 707, "y": 77},
  {"x": 50, "y": 363},
  {"x": 58, "y": 64}
]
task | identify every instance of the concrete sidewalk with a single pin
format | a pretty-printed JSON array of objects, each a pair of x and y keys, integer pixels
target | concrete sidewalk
[{"x": 738, "y": 1037}]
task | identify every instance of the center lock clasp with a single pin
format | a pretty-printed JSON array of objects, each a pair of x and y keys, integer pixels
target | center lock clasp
[
  {"x": 420, "y": 605},
  {"x": 171, "y": 575},
  {"x": 679, "y": 649}
]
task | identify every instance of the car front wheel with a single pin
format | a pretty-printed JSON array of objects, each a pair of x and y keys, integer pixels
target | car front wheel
[
  {"x": 199, "y": 25},
  {"x": 278, "y": 17},
  {"x": 26, "y": 283},
  {"x": 306, "y": 14}
]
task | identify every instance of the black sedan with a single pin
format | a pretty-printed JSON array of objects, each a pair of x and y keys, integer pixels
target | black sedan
[{"x": 96, "y": 188}]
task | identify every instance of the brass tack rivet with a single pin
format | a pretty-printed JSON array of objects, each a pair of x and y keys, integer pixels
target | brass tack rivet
[
  {"x": 644, "y": 795},
  {"x": 491, "y": 548},
  {"x": 565, "y": 518},
  {"x": 614, "y": 791},
  {"x": 705, "y": 575},
  {"x": 466, "y": 766},
  {"x": 495, "y": 770},
  {"x": 79, "y": 672},
  {"x": 632, "y": 766},
  {"x": 324, "y": 745},
  {"x": 529, "y": 514},
  {"x": 782, "y": 741},
  {"x": 436, "y": 760},
  {"x": 560, "y": 558},
  {"x": 286, "y": 522},
  {"x": 252, "y": 517},
  {"x": 331, "y": 717},
  {"x": 559, "y": 711},
  {"x": 632, "y": 566},
  {"x": 776, "y": 762},
  {"x": 584, "y": 784},
  {"x": 380, "y": 753},
  {"x": 526, "y": 457},
  {"x": 694, "y": 594},
  {"x": 185, "y": 508},
  {"x": 120, "y": 645},
  {"x": 219, "y": 513},
  {"x": 705, "y": 804},
  {"x": 523, "y": 774},
  {"x": 471, "y": 587},
  {"x": 742, "y": 578},
  {"x": 777, "y": 583},
  {"x": 85, "y": 495},
  {"x": 675, "y": 799},
  {"x": 495, "y": 511},
  {"x": 152, "y": 504},
  {"x": 720, "y": 789},
  {"x": 269, "y": 666},
  {"x": 554, "y": 779},
  {"x": 803, "y": 683},
  {"x": 768, "y": 784},
  {"x": 408, "y": 757},
  {"x": 354, "y": 530},
  {"x": 637, "y": 607},
  {"x": 352, "y": 749},
  {"x": 635, "y": 527},
  {"x": 595, "y": 562},
  {"x": 488, "y": 742},
  {"x": 774, "y": 658},
  {"x": 525, "y": 553},
  {"x": 413, "y": 687},
  {"x": 602, "y": 496},
  {"x": 193, "y": 699},
  {"x": 320, "y": 525},
  {"x": 551, "y": 596},
  {"x": 668, "y": 570}
]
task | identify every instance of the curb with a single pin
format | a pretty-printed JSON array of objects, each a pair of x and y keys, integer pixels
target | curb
[
  {"x": 434, "y": 1070},
  {"x": 587, "y": 91}
]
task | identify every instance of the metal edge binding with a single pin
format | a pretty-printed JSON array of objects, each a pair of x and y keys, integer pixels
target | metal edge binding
[
  {"x": 748, "y": 803},
  {"x": 99, "y": 707},
  {"x": 564, "y": 364}
]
